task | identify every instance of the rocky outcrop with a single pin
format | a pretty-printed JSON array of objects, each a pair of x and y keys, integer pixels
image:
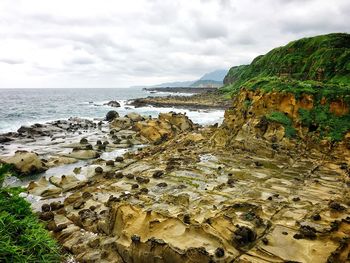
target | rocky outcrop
[
  {"x": 165, "y": 127},
  {"x": 208, "y": 100},
  {"x": 113, "y": 103},
  {"x": 25, "y": 163},
  {"x": 111, "y": 115}
]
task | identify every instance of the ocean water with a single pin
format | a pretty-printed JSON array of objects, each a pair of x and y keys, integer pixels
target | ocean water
[{"x": 28, "y": 106}]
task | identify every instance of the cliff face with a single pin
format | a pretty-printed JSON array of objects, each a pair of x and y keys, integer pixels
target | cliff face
[{"x": 297, "y": 96}]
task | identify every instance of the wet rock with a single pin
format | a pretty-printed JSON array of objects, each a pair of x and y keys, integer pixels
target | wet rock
[
  {"x": 56, "y": 206},
  {"x": 98, "y": 142},
  {"x": 306, "y": 232},
  {"x": 109, "y": 175},
  {"x": 162, "y": 184},
  {"x": 60, "y": 227},
  {"x": 118, "y": 175},
  {"x": 111, "y": 115},
  {"x": 142, "y": 180},
  {"x": 157, "y": 174},
  {"x": 296, "y": 199},
  {"x": 336, "y": 206},
  {"x": 99, "y": 170},
  {"x": 25, "y": 163},
  {"x": 79, "y": 204},
  {"x": 4, "y": 139},
  {"x": 144, "y": 190},
  {"x": 316, "y": 217},
  {"x": 45, "y": 208},
  {"x": 46, "y": 216},
  {"x": 135, "y": 239},
  {"x": 130, "y": 176},
  {"x": 119, "y": 159},
  {"x": 231, "y": 182},
  {"x": 265, "y": 241},
  {"x": 243, "y": 236},
  {"x": 219, "y": 252},
  {"x": 134, "y": 186},
  {"x": 113, "y": 103},
  {"x": 86, "y": 195},
  {"x": 110, "y": 163},
  {"x": 84, "y": 141}
]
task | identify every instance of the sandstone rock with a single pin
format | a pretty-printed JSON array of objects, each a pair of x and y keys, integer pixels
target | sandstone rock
[
  {"x": 25, "y": 163},
  {"x": 134, "y": 116},
  {"x": 83, "y": 154},
  {"x": 121, "y": 123}
]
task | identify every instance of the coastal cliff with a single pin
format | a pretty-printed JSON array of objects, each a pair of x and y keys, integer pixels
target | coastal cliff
[{"x": 270, "y": 184}]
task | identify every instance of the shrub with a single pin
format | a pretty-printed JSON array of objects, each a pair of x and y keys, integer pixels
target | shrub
[
  {"x": 282, "y": 118},
  {"x": 22, "y": 237}
]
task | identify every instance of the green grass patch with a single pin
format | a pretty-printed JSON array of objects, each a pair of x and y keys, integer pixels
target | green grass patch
[
  {"x": 321, "y": 120},
  {"x": 283, "y": 119},
  {"x": 22, "y": 237}
]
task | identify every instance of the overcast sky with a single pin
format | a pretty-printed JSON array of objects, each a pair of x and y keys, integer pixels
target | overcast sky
[{"x": 105, "y": 43}]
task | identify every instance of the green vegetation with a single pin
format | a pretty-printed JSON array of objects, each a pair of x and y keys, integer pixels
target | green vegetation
[
  {"x": 318, "y": 66},
  {"x": 319, "y": 119},
  {"x": 22, "y": 237},
  {"x": 282, "y": 118},
  {"x": 324, "y": 58}
]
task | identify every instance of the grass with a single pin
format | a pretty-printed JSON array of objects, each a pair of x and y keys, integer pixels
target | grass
[
  {"x": 324, "y": 58},
  {"x": 321, "y": 120},
  {"x": 283, "y": 119},
  {"x": 22, "y": 237}
]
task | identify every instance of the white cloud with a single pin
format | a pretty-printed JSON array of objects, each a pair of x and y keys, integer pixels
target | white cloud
[{"x": 90, "y": 43}]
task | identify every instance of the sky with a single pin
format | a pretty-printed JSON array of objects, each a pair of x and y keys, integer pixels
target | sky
[{"x": 105, "y": 43}]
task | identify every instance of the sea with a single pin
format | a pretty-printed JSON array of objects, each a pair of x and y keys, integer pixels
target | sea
[{"x": 28, "y": 106}]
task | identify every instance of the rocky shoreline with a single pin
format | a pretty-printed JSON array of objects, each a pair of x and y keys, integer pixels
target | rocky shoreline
[
  {"x": 184, "y": 193},
  {"x": 206, "y": 100}
]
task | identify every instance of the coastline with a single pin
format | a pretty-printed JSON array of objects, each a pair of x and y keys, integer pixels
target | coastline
[{"x": 204, "y": 99}]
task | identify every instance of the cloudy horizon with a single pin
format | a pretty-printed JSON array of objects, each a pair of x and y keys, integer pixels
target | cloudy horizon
[{"x": 67, "y": 44}]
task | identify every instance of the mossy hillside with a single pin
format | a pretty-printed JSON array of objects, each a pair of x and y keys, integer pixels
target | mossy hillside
[
  {"x": 22, "y": 237},
  {"x": 324, "y": 58}
]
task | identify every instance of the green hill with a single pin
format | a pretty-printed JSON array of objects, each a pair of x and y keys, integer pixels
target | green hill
[
  {"x": 324, "y": 59},
  {"x": 317, "y": 66}
]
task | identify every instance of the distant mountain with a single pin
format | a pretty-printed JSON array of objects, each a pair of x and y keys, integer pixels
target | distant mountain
[
  {"x": 206, "y": 83},
  {"x": 211, "y": 79},
  {"x": 175, "y": 84},
  {"x": 217, "y": 75}
]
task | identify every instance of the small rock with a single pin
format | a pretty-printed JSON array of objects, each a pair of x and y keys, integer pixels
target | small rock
[
  {"x": 130, "y": 176},
  {"x": 84, "y": 141},
  {"x": 134, "y": 186},
  {"x": 119, "y": 159},
  {"x": 110, "y": 163},
  {"x": 119, "y": 175},
  {"x": 158, "y": 174},
  {"x": 86, "y": 195},
  {"x": 296, "y": 199},
  {"x": 98, "y": 170},
  {"x": 45, "y": 208},
  {"x": 187, "y": 219},
  {"x": 162, "y": 184},
  {"x": 111, "y": 115},
  {"x": 135, "y": 239},
  {"x": 316, "y": 217},
  {"x": 265, "y": 241},
  {"x": 79, "y": 204},
  {"x": 46, "y": 216},
  {"x": 60, "y": 227},
  {"x": 244, "y": 235},
  {"x": 219, "y": 252},
  {"x": 56, "y": 206},
  {"x": 336, "y": 206}
]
